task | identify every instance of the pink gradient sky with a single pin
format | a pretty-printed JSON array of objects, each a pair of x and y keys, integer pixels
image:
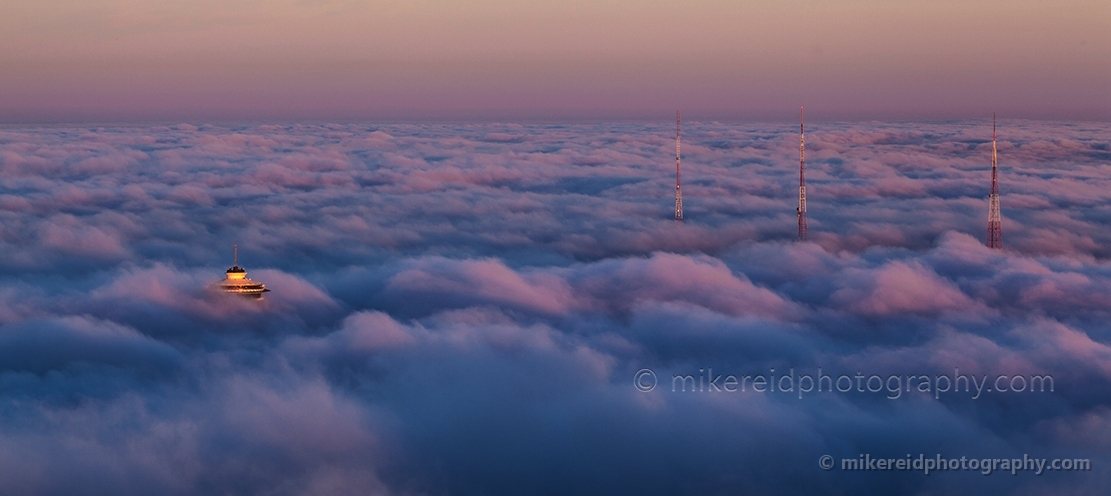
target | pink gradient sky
[{"x": 64, "y": 60}]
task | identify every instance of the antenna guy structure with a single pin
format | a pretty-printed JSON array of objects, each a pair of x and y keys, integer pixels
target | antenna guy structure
[
  {"x": 802, "y": 178},
  {"x": 678, "y": 176},
  {"x": 995, "y": 225}
]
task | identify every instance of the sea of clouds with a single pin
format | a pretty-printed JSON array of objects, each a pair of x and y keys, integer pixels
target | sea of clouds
[{"x": 461, "y": 309}]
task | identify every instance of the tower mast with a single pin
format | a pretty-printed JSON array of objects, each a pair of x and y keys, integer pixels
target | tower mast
[
  {"x": 995, "y": 225},
  {"x": 801, "y": 210},
  {"x": 678, "y": 183}
]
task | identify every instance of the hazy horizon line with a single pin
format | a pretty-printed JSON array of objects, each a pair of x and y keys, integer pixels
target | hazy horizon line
[{"x": 791, "y": 118}]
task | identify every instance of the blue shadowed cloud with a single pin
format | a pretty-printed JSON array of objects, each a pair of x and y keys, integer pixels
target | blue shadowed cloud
[{"x": 461, "y": 309}]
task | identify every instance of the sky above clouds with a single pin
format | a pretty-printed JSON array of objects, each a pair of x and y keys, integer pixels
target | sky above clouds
[
  {"x": 125, "y": 60},
  {"x": 461, "y": 308}
]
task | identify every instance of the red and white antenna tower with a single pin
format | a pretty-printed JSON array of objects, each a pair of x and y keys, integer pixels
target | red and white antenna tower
[
  {"x": 802, "y": 178},
  {"x": 678, "y": 185},
  {"x": 995, "y": 226}
]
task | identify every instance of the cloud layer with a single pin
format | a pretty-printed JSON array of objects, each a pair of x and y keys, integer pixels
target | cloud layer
[{"x": 461, "y": 309}]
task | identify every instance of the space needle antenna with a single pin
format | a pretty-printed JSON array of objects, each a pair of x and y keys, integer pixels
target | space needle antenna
[
  {"x": 678, "y": 176},
  {"x": 802, "y": 178},
  {"x": 995, "y": 227}
]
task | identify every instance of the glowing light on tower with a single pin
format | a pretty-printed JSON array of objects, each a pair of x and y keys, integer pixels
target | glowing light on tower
[
  {"x": 995, "y": 225},
  {"x": 678, "y": 183},
  {"x": 236, "y": 281},
  {"x": 801, "y": 210}
]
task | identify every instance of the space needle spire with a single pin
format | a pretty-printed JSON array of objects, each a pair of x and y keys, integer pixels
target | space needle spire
[
  {"x": 678, "y": 176},
  {"x": 801, "y": 210},
  {"x": 995, "y": 227}
]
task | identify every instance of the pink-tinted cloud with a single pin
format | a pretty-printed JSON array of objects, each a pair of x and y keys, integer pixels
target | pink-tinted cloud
[
  {"x": 461, "y": 308},
  {"x": 899, "y": 288},
  {"x": 486, "y": 281}
]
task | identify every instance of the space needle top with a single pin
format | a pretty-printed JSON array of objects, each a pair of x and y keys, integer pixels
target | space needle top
[{"x": 236, "y": 281}]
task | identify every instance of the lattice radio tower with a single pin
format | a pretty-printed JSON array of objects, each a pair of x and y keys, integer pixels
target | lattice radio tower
[
  {"x": 995, "y": 226},
  {"x": 802, "y": 178},
  {"x": 678, "y": 184}
]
